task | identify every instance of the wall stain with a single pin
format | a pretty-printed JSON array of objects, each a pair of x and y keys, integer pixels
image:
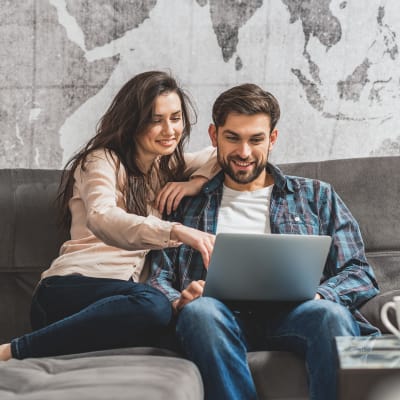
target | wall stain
[
  {"x": 103, "y": 21},
  {"x": 227, "y": 16},
  {"x": 353, "y": 85}
]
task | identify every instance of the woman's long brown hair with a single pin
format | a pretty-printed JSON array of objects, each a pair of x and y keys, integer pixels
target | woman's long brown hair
[{"x": 129, "y": 115}]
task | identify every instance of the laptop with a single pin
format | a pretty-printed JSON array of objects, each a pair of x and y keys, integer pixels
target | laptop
[{"x": 266, "y": 267}]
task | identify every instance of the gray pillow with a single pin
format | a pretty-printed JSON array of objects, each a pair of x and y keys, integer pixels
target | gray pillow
[{"x": 372, "y": 308}]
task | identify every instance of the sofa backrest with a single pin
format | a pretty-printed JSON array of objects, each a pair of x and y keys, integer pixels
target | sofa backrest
[
  {"x": 30, "y": 239},
  {"x": 370, "y": 188}
]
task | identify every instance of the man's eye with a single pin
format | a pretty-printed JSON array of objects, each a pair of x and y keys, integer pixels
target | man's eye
[
  {"x": 155, "y": 121},
  {"x": 176, "y": 119},
  {"x": 256, "y": 141},
  {"x": 231, "y": 138}
]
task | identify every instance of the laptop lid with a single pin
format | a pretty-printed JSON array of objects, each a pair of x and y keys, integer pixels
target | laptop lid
[{"x": 266, "y": 267}]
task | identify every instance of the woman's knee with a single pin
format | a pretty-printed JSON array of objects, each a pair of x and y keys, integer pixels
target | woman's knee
[{"x": 153, "y": 303}]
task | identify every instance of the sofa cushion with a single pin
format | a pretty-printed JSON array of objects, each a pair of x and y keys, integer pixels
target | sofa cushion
[
  {"x": 371, "y": 309},
  {"x": 278, "y": 375},
  {"x": 117, "y": 374}
]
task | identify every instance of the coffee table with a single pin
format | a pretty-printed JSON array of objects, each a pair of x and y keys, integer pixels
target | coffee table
[{"x": 369, "y": 368}]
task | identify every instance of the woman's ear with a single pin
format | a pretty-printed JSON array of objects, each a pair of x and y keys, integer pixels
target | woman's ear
[{"x": 212, "y": 131}]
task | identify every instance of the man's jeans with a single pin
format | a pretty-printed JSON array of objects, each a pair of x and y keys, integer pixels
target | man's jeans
[
  {"x": 73, "y": 314},
  {"x": 217, "y": 340}
]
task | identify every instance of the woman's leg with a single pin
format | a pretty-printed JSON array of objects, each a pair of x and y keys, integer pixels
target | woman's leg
[
  {"x": 5, "y": 352},
  {"x": 77, "y": 314}
]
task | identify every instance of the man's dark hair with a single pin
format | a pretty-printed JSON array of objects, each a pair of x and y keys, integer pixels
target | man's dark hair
[{"x": 248, "y": 99}]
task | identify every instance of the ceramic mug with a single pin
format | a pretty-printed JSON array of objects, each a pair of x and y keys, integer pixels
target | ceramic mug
[{"x": 395, "y": 304}]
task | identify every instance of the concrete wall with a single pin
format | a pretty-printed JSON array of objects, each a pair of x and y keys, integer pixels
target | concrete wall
[{"x": 333, "y": 65}]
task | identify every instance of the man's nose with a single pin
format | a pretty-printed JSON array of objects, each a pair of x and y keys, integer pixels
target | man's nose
[{"x": 244, "y": 150}]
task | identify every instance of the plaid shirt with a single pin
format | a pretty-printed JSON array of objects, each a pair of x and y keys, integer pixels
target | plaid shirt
[{"x": 298, "y": 206}]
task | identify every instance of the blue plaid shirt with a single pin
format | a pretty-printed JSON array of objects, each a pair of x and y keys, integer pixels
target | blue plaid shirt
[{"x": 298, "y": 206}]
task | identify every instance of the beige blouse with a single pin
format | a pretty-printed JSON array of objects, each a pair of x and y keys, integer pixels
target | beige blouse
[{"x": 106, "y": 240}]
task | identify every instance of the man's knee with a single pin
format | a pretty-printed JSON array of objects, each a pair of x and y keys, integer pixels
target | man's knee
[
  {"x": 203, "y": 314},
  {"x": 333, "y": 317},
  {"x": 206, "y": 327}
]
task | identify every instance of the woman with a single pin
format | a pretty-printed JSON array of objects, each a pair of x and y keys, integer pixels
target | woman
[{"x": 90, "y": 298}]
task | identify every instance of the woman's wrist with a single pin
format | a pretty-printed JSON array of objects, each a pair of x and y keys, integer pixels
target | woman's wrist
[{"x": 174, "y": 235}]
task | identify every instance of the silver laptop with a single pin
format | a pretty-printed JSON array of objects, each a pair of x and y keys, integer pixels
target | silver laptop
[{"x": 266, "y": 267}]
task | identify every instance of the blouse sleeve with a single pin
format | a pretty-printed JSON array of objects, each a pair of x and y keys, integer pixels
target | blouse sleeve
[
  {"x": 99, "y": 189},
  {"x": 202, "y": 163}
]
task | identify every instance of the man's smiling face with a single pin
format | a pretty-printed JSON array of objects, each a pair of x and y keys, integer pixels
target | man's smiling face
[{"x": 243, "y": 145}]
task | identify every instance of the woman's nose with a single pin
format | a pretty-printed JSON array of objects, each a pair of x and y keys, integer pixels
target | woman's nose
[{"x": 168, "y": 128}]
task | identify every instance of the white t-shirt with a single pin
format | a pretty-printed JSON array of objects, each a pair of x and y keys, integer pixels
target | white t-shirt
[{"x": 245, "y": 212}]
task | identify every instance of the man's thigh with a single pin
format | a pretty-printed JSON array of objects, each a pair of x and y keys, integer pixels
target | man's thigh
[{"x": 290, "y": 327}]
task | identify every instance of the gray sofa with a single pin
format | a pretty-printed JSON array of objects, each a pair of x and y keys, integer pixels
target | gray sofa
[{"x": 29, "y": 240}]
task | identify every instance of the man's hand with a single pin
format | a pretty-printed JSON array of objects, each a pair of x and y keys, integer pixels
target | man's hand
[
  {"x": 199, "y": 240},
  {"x": 172, "y": 193},
  {"x": 192, "y": 292},
  {"x": 317, "y": 297}
]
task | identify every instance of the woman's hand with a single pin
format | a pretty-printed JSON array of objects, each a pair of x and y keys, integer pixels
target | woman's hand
[
  {"x": 172, "y": 193},
  {"x": 199, "y": 240}
]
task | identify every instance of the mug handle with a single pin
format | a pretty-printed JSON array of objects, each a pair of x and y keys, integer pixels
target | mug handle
[{"x": 386, "y": 320}]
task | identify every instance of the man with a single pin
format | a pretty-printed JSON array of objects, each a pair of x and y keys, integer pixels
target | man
[{"x": 252, "y": 195}]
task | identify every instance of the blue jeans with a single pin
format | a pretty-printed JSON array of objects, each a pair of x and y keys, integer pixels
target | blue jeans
[
  {"x": 74, "y": 313},
  {"x": 217, "y": 340}
]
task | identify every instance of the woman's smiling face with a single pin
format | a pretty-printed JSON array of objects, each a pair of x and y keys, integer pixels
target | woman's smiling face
[{"x": 164, "y": 132}]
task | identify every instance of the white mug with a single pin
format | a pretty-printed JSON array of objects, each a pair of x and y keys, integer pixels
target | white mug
[{"x": 395, "y": 304}]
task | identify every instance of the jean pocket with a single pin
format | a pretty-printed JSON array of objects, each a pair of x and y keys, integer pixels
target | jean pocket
[{"x": 59, "y": 280}]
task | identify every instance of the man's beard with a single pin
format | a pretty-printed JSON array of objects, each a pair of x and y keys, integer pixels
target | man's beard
[{"x": 241, "y": 177}]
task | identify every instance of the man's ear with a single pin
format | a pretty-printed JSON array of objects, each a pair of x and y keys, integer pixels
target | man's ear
[
  {"x": 212, "y": 131},
  {"x": 272, "y": 139}
]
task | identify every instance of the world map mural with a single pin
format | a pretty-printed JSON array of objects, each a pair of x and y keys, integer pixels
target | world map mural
[{"x": 333, "y": 65}]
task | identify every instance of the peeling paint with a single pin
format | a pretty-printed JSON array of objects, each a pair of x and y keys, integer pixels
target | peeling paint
[
  {"x": 351, "y": 88},
  {"x": 103, "y": 21},
  {"x": 68, "y": 21},
  {"x": 389, "y": 147},
  {"x": 34, "y": 114},
  {"x": 37, "y": 157},
  {"x": 389, "y": 36},
  {"x": 227, "y": 17},
  {"x": 311, "y": 89},
  {"x": 18, "y": 135},
  {"x": 317, "y": 20}
]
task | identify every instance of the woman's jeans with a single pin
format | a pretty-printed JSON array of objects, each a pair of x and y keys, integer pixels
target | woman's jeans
[
  {"x": 217, "y": 340},
  {"x": 74, "y": 314}
]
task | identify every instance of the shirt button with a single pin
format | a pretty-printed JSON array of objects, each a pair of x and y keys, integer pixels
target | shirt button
[{"x": 297, "y": 219}]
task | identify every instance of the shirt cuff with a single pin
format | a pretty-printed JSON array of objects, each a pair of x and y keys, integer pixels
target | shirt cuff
[{"x": 328, "y": 293}]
